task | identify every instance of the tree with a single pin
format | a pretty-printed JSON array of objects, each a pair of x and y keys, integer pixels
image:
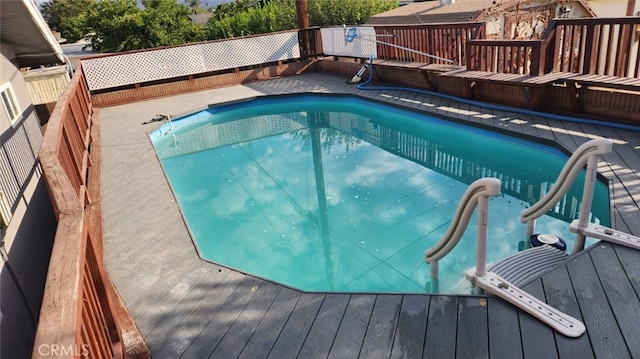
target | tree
[
  {"x": 61, "y": 15},
  {"x": 119, "y": 25},
  {"x": 195, "y": 6},
  {"x": 232, "y": 8},
  {"x": 166, "y": 22}
]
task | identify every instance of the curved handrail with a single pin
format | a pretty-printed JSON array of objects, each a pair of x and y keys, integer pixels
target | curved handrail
[
  {"x": 483, "y": 187},
  {"x": 566, "y": 177}
]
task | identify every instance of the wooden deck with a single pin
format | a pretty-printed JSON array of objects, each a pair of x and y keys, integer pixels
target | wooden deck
[{"x": 189, "y": 308}]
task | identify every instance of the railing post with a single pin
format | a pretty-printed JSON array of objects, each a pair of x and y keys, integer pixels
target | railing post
[
  {"x": 537, "y": 62},
  {"x": 589, "y": 53},
  {"x": 469, "y": 56}
]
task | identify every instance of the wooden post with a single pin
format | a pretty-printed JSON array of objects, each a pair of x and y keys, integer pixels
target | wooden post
[{"x": 631, "y": 5}]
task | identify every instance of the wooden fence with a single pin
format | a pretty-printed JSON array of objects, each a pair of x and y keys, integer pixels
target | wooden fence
[{"x": 82, "y": 314}]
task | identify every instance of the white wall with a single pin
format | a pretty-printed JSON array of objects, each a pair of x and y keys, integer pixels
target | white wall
[{"x": 612, "y": 8}]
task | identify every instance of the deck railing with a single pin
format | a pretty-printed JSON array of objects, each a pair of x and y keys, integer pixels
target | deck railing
[
  {"x": 412, "y": 42},
  {"x": 80, "y": 314},
  {"x": 507, "y": 56},
  {"x": 602, "y": 46}
]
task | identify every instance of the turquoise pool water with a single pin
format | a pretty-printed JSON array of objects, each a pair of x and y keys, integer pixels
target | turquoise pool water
[{"x": 328, "y": 193}]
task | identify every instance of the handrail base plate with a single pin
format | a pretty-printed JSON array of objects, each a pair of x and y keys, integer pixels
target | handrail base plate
[
  {"x": 494, "y": 284},
  {"x": 606, "y": 234}
]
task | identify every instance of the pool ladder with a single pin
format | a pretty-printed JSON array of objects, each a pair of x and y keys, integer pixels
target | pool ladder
[
  {"x": 166, "y": 119},
  {"x": 499, "y": 281}
]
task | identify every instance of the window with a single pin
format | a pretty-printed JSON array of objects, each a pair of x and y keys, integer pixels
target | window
[{"x": 10, "y": 103}]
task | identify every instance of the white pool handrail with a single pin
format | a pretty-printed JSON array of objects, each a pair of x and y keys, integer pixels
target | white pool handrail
[
  {"x": 585, "y": 154},
  {"x": 477, "y": 195}
]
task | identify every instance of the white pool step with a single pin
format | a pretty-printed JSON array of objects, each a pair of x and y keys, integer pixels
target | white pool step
[
  {"x": 525, "y": 266},
  {"x": 503, "y": 278},
  {"x": 606, "y": 234}
]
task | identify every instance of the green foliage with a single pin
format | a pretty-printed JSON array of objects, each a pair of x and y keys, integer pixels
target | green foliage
[
  {"x": 345, "y": 12},
  {"x": 166, "y": 23},
  {"x": 253, "y": 19},
  {"x": 248, "y": 17},
  {"x": 61, "y": 15},
  {"x": 195, "y": 6},
  {"x": 231, "y": 8},
  {"x": 119, "y": 25}
]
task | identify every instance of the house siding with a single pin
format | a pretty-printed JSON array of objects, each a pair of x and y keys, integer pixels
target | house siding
[{"x": 27, "y": 240}]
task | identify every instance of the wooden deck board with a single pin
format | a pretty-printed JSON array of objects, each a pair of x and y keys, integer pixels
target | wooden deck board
[
  {"x": 602, "y": 328},
  {"x": 559, "y": 293},
  {"x": 238, "y": 335},
  {"x": 409, "y": 337},
  {"x": 537, "y": 338},
  {"x": 174, "y": 344},
  {"x": 378, "y": 341},
  {"x": 172, "y": 292},
  {"x": 174, "y": 319},
  {"x": 620, "y": 294},
  {"x": 353, "y": 327},
  {"x": 325, "y": 326},
  {"x": 472, "y": 339},
  {"x": 266, "y": 333},
  {"x": 629, "y": 261},
  {"x": 191, "y": 308},
  {"x": 441, "y": 327},
  {"x": 295, "y": 331},
  {"x": 212, "y": 334},
  {"x": 504, "y": 330}
]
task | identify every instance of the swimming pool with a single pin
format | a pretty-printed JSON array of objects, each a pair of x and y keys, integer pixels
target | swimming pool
[{"x": 341, "y": 194}]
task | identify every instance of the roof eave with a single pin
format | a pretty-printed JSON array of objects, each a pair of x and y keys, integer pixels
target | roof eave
[{"x": 33, "y": 42}]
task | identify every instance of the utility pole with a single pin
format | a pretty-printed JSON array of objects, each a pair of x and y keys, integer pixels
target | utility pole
[{"x": 302, "y": 16}]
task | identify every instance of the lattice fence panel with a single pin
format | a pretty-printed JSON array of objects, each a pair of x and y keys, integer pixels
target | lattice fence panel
[
  {"x": 355, "y": 42},
  {"x": 144, "y": 66}
]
